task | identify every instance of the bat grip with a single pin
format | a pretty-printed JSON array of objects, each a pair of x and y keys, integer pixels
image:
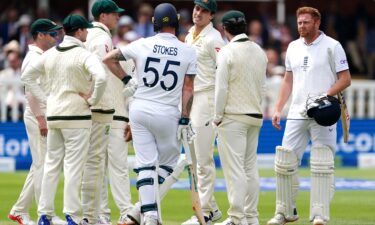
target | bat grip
[{"x": 185, "y": 144}]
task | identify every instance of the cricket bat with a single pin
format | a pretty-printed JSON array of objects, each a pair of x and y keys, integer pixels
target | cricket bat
[
  {"x": 345, "y": 118},
  {"x": 196, "y": 204}
]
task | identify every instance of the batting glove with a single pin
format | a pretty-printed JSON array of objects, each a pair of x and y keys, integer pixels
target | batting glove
[
  {"x": 130, "y": 88},
  {"x": 185, "y": 124}
]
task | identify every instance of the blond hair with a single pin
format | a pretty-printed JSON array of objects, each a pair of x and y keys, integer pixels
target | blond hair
[{"x": 309, "y": 10}]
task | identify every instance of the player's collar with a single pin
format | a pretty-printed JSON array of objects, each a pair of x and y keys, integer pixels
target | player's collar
[
  {"x": 36, "y": 49},
  {"x": 168, "y": 35},
  {"x": 70, "y": 41},
  {"x": 316, "y": 41},
  {"x": 102, "y": 27},
  {"x": 240, "y": 38},
  {"x": 205, "y": 30}
]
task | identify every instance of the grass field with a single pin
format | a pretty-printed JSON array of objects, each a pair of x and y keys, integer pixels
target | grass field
[{"x": 347, "y": 208}]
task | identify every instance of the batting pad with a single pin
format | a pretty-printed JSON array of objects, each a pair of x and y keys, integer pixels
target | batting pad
[
  {"x": 287, "y": 184},
  {"x": 322, "y": 181}
]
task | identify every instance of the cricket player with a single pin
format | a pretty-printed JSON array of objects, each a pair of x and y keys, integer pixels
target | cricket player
[
  {"x": 166, "y": 71},
  {"x": 207, "y": 42},
  {"x": 70, "y": 70},
  {"x": 308, "y": 73},
  {"x": 46, "y": 34},
  {"x": 99, "y": 41},
  {"x": 240, "y": 82}
]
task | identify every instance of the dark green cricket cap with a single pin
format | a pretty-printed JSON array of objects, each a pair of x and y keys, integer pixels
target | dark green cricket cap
[
  {"x": 105, "y": 6},
  {"x": 43, "y": 25},
  {"x": 209, "y": 5},
  {"x": 74, "y": 22},
  {"x": 233, "y": 17}
]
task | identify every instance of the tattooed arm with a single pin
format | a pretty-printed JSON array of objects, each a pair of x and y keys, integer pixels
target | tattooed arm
[
  {"x": 112, "y": 59},
  {"x": 187, "y": 96}
]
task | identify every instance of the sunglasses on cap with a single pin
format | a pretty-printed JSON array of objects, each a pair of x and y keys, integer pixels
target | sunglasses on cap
[
  {"x": 51, "y": 33},
  {"x": 235, "y": 20}
]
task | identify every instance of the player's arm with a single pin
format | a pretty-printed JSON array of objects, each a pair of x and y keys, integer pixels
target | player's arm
[
  {"x": 96, "y": 69},
  {"x": 29, "y": 79},
  {"x": 285, "y": 91},
  {"x": 112, "y": 60},
  {"x": 187, "y": 95},
  {"x": 343, "y": 81},
  {"x": 221, "y": 87}
]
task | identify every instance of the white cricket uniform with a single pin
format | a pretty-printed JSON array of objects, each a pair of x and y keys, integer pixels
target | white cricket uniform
[
  {"x": 162, "y": 62},
  {"x": 70, "y": 69},
  {"x": 240, "y": 82},
  {"x": 99, "y": 42},
  {"x": 116, "y": 159},
  {"x": 207, "y": 45},
  {"x": 312, "y": 75},
  {"x": 37, "y": 143}
]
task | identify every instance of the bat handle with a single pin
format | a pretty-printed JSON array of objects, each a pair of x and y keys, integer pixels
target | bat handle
[{"x": 185, "y": 144}]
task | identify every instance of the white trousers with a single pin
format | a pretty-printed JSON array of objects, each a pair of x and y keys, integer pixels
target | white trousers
[
  {"x": 66, "y": 148},
  {"x": 238, "y": 144},
  {"x": 93, "y": 172},
  {"x": 33, "y": 182},
  {"x": 201, "y": 114},
  {"x": 116, "y": 171},
  {"x": 298, "y": 133},
  {"x": 154, "y": 127}
]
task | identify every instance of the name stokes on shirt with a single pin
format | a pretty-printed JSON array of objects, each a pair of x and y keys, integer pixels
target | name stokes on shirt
[{"x": 160, "y": 49}]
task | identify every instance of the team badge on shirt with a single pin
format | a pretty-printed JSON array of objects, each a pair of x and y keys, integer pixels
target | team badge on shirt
[{"x": 217, "y": 49}]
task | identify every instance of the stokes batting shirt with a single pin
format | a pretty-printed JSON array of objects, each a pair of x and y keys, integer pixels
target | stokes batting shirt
[{"x": 162, "y": 62}]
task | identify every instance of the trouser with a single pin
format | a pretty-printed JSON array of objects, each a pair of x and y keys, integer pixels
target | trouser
[
  {"x": 203, "y": 148},
  {"x": 94, "y": 170},
  {"x": 66, "y": 148},
  {"x": 154, "y": 127},
  {"x": 238, "y": 144},
  {"x": 33, "y": 182},
  {"x": 116, "y": 167}
]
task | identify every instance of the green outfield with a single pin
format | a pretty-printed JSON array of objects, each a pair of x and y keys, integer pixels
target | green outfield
[{"x": 348, "y": 207}]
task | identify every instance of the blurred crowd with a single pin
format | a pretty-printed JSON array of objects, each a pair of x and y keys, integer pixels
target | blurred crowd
[{"x": 354, "y": 28}]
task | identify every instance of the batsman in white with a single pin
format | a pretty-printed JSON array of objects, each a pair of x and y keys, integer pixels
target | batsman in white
[
  {"x": 207, "y": 42},
  {"x": 308, "y": 73},
  {"x": 166, "y": 70},
  {"x": 239, "y": 90},
  {"x": 108, "y": 125},
  {"x": 69, "y": 69},
  {"x": 46, "y": 34}
]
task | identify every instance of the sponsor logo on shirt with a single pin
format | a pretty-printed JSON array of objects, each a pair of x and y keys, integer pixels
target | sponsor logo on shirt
[
  {"x": 343, "y": 61},
  {"x": 305, "y": 62}
]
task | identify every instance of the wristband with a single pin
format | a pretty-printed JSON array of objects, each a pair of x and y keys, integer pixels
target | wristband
[
  {"x": 184, "y": 121},
  {"x": 126, "y": 79}
]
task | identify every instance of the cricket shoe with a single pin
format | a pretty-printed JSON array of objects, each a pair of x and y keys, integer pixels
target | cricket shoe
[
  {"x": 279, "y": 219},
  {"x": 44, "y": 220},
  {"x": 71, "y": 221},
  {"x": 58, "y": 221},
  {"x": 103, "y": 220},
  {"x": 216, "y": 215},
  {"x": 125, "y": 220},
  {"x": 319, "y": 221},
  {"x": 22, "y": 219},
  {"x": 194, "y": 220}
]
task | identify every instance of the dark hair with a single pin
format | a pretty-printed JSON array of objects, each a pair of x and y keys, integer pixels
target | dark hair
[
  {"x": 235, "y": 26},
  {"x": 71, "y": 32}
]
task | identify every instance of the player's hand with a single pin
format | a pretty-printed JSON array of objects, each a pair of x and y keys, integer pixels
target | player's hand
[
  {"x": 276, "y": 120},
  {"x": 128, "y": 133},
  {"x": 42, "y": 123},
  {"x": 85, "y": 97},
  {"x": 185, "y": 124}
]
